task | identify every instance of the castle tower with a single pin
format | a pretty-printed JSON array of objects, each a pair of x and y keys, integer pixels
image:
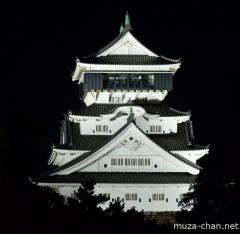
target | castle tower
[{"x": 126, "y": 139}]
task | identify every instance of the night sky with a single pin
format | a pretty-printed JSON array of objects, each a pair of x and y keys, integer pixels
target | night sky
[{"x": 42, "y": 43}]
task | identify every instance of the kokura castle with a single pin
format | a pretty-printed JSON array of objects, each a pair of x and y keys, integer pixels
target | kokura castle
[{"x": 126, "y": 139}]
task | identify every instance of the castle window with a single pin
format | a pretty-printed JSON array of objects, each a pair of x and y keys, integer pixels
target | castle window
[
  {"x": 110, "y": 81},
  {"x": 117, "y": 161},
  {"x": 105, "y": 128},
  {"x": 131, "y": 196},
  {"x": 155, "y": 128},
  {"x": 116, "y": 99},
  {"x": 106, "y": 195},
  {"x": 137, "y": 162},
  {"x": 151, "y": 80},
  {"x": 98, "y": 128},
  {"x": 101, "y": 128},
  {"x": 158, "y": 197},
  {"x": 155, "y": 165},
  {"x": 105, "y": 165},
  {"x": 134, "y": 81}
]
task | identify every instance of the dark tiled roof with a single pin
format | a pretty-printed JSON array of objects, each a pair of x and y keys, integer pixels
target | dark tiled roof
[
  {"x": 128, "y": 60},
  {"x": 122, "y": 178},
  {"x": 178, "y": 141},
  {"x": 111, "y": 43},
  {"x": 150, "y": 107},
  {"x": 78, "y": 144},
  {"x": 170, "y": 142},
  {"x": 82, "y": 142}
]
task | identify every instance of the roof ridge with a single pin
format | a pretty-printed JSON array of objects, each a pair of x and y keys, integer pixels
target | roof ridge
[
  {"x": 202, "y": 146},
  {"x": 170, "y": 59},
  {"x": 187, "y": 161},
  {"x": 178, "y": 111}
]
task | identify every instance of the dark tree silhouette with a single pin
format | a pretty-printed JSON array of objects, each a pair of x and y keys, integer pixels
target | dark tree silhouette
[
  {"x": 215, "y": 195},
  {"x": 86, "y": 201}
]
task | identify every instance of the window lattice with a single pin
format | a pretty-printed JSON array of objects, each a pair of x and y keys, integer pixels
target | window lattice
[{"x": 158, "y": 197}]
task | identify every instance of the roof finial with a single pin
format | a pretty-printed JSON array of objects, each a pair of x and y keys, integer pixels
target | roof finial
[
  {"x": 121, "y": 28},
  {"x": 131, "y": 115},
  {"x": 127, "y": 21}
]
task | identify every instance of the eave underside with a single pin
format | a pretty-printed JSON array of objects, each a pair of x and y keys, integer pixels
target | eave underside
[{"x": 128, "y": 60}]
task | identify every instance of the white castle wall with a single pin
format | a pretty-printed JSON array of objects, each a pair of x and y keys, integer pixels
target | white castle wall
[
  {"x": 172, "y": 194},
  {"x": 108, "y": 96},
  {"x": 88, "y": 127},
  {"x": 157, "y": 163},
  {"x": 61, "y": 157},
  {"x": 143, "y": 121},
  {"x": 192, "y": 155}
]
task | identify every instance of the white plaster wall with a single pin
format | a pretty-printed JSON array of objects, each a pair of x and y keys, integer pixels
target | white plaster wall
[
  {"x": 128, "y": 45},
  {"x": 126, "y": 96},
  {"x": 89, "y": 99},
  {"x": 88, "y": 127},
  {"x": 62, "y": 157},
  {"x": 127, "y": 50},
  {"x": 103, "y": 97},
  {"x": 144, "y": 192},
  {"x": 192, "y": 155},
  {"x": 157, "y": 163},
  {"x": 131, "y": 138},
  {"x": 168, "y": 124}
]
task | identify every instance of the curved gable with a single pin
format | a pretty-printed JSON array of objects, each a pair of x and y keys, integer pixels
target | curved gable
[{"x": 126, "y": 45}]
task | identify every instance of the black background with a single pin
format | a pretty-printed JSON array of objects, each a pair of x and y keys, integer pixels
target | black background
[{"x": 41, "y": 43}]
